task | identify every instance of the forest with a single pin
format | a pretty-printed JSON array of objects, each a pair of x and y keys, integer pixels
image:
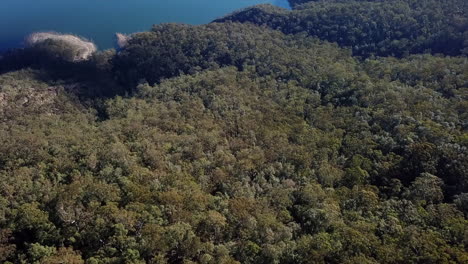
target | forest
[
  {"x": 372, "y": 28},
  {"x": 334, "y": 132}
]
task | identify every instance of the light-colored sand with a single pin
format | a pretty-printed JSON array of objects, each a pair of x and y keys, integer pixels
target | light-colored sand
[{"x": 84, "y": 48}]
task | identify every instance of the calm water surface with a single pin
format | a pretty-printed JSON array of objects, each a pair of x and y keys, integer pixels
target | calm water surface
[{"x": 98, "y": 20}]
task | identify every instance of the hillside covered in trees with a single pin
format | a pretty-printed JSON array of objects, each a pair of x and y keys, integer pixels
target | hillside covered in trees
[
  {"x": 335, "y": 132},
  {"x": 379, "y": 27}
]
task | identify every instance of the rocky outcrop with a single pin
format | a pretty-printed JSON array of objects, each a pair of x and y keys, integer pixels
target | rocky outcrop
[
  {"x": 82, "y": 49},
  {"x": 122, "y": 39}
]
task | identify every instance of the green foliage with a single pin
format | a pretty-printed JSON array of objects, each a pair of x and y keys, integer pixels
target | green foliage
[
  {"x": 383, "y": 28},
  {"x": 173, "y": 49},
  {"x": 232, "y": 143},
  {"x": 427, "y": 188},
  {"x": 6, "y": 247}
]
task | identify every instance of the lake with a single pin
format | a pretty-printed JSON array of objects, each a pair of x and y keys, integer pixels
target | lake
[{"x": 99, "y": 20}]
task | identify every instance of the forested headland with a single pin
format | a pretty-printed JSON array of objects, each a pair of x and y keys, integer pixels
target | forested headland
[{"x": 335, "y": 132}]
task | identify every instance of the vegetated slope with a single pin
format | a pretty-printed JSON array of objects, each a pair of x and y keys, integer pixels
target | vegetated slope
[
  {"x": 234, "y": 144},
  {"x": 173, "y": 49},
  {"x": 51, "y": 60},
  {"x": 23, "y": 92},
  {"x": 297, "y": 3},
  {"x": 382, "y": 28}
]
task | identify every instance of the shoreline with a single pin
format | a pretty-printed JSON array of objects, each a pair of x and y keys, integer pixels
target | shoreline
[
  {"x": 106, "y": 39},
  {"x": 82, "y": 47}
]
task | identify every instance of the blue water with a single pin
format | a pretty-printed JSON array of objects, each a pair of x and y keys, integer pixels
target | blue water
[{"x": 99, "y": 20}]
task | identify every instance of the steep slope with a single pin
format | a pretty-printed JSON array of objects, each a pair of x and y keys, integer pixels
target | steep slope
[{"x": 382, "y": 28}]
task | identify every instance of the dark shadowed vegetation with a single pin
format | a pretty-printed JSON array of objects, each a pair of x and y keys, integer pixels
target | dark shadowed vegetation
[{"x": 383, "y": 28}]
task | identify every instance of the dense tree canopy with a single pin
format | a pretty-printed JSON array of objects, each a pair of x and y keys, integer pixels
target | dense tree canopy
[
  {"x": 234, "y": 143},
  {"x": 383, "y": 28}
]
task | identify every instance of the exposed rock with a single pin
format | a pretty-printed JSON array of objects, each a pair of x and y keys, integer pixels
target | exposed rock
[
  {"x": 82, "y": 48},
  {"x": 122, "y": 39}
]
